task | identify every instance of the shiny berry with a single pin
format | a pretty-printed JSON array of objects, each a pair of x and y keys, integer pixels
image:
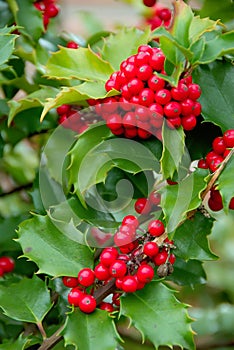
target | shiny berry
[
  {"x": 74, "y": 296},
  {"x": 228, "y": 138},
  {"x": 142, "y": 206},
  {"x": 145, "y": 273},
  {"x": 163, "y": 96},
  {"x": 129, "y": 284},
  {"x": 118, "y": 269},
  {"x": 172, "y": 109},
  {"x": 218, "y": 145},
  {"x": 102, "y": 272},
  {"x": 161, "y": 258},
  {"x": 150, "y": 249},
  {"x": 189, "y": 122},
  {"x": 87, "y": 304},
  {"x": 106, "y": 306},
  {"x": 144, "y": 72},
  {"x": 146, "y": 97},
  {"x": 149, "y": 3},
  {"x": 155, "y": 83},
  {"x": 7, "y": 264},
  {"x": 86, "y": 277},
  {"x": 156, "y": 228},
  {"x": 130, "y": 220},
  {"x": 70, "y": 282},
  {"x": 194, "y": 91},
  {"x": 72, "y": 45},
  {"x": 108, "y": 256}
]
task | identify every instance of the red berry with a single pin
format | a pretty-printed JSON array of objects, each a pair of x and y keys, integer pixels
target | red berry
[
  {"x": 130, "y": 71},
  {"x": 144, "y": 72},
  {"x": 145, "y": 48},
  {"x": 7, "y": 264},
  {"x": 102, "y": 272},
  {"x": 173, "y": 122},
  {"x": 150, "y": 249},
  {"x": 115, "y": 299},
  {"x": 86, "y": 277},
  {"x": 172, "y": 258},
  {"x": 163, "y": 96},
  {"x": 128, "y": 248},
  {"x": 218, "y": 145},
  {"x": 196, "y": 109},
  {"x": 129, "y": 284},
  {"x": 106, "y": 306},
  {"x": 149, "y": 3},
  {"x": 70, "y": 282},
  {"x": 172, "y": 109},
  {"x": 87, "y": 304},
  {"x": 187, "y": 107},
  {"x": 72, "y": 45},
  {"x": 156, "y": 60},
  {"x": 114, "y": 121},
  {"x": 194, "y": 91},
  {"x": 63, "y": 109},
  {"x": 214, "y": 164},
  {"x": 211, "y": 156},
  {"x": 145, "y": 273},
  {"x": 142, "y": 206},
  {"x": 156, "y": 228},
  {"x": 161, "y": 258},
  {"x": 228, "y": 138},
  {"x": 155, "y": 198},
  {"x": 164, "y": 14},
  {"x": 180, "y": 92},
  {"x": 130, "y": 220},
  {"x": 121, "y": 238},
  {"x": 118, "y": 283},
  {"x": 155, "y": 83},
  {"x": 130, "y": 133},
  {"x": 74, "y": 296},
  {"x": 108, "y": 256},
  {"x": 51, "y": 10},
  {"x": 1, "y": 272},
  {"x": 214, "y": 206},
  {"x": 142, "y": 58},
  {"x": 189, "y": 122},
  {"x": 146, "y": 97},
  {"x": 135, "y": 86},
  {"x": 231, "y": 204},
  {"x": 202, "y": 164},
  {"x": 118, "y": 269}
]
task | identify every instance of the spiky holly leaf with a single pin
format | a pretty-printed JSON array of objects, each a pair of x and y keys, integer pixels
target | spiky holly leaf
[
  {"x": 90, "y": 331},
  {"x": 54, "y": 253},
  {"x": 183, "y": 197},
  {"x": 225, "y": 183},
  {"x": 81, "y": 64},
  {"x": 117, "y": 47},
  {"x": 28, "y": 300},
  {"x": 20, "y": 343},
  {"x": 159, "y": 316},
  {"x": 173, "y": 150},
  {"x": 216, "y": 99},
  {"x": 191, "y": 238},
  {"x": 187, "y": 273},
  {"x": 7, "y": 44}
]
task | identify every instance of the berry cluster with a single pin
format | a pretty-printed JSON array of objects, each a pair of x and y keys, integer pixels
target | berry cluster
[
  {"x": 129, "y": 265},
  {"x": 221, "y": 147},
  {"x": 7, "y": 265},
  {"x": 74, "y": 118},
  {"x": 146, "y": 99},
  {"x": 48, "y": 8},
  {"x": 160, "y": 16}
]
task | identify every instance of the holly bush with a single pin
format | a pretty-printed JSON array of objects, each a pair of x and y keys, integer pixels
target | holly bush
[{"x": 116, "y": 167}]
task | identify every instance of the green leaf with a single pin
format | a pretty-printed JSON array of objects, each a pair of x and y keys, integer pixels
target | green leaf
[
  {"x": 94, "y": 331},
  {"x": 179, "y": 199},
  {"x": 225, "y": 183},
  {"x": 35, "y": 99},
  {"x": 216, "y": 99},
  {"x": 187, "y": 273},
  {"x": 159, "y": 316},
  {"x": 216, "y": 9},
  {"x": 123, "y": 44},
  {"x": 32, "y": 302},
  {"x": 85, "y": 143},
  {"x": 7, "y": 45},
  {"x": 221, "y": 45},
  {"x": 200, "y": 26},
  {"x": 32, "y": 23},
  {"x": 81, "y": 64},
  {"x": 76, "y": 94},
  {"x": 55, "y": 254},
  {"x": 173, "y": 150},
  {"x": 20, "y": 344},
  {"x": 191, "y": 239}
]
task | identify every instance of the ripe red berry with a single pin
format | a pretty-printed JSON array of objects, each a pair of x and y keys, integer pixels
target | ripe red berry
[
  {"x": 231, "y": 204},
  {"x": 129, "y": 284},
  {"x": 135, "y": 86},
  {"x": 74, "y": 296},
  {"x": 145, "y": 273},
  {"x": 150, "y": 249},
  {"x": 155, "y": 198},
  {"x": 106, "y": 306},
  {"x": 189, "y": 122},
  {"x": 145, "y": 48},
  {"x": 214, "y": 164},
  {"x": 142, "y": 58},
  {"x": 142, "y": 206},
  {"x": 163, "y": 96},
  {"x": 116, "y": 299},
  {"x": 180, "y": 92},
  {"x": 7, "y": 264},
  {"x": 63, "y": 109},
  {"x": 1, "y": 272},
  {"x": 214, "y": 206},
  {"x": 114, "y": 121},
  {"x": 156, "y": 60},
  {"x": 108, "y": 256},
  {"x": 202, "y": 164},
  {"x": 194, "y": 91},
  {"x": 72, "y": 45},
  {"x": 172, "y": 109},
  {"x": 118, "y": 269},
  {"x": 146, "y": 97},
  {"x": 86, "y": 277},
  {"x": 164, "y": 13},
  {"x": 87, "y": 304},
  {"x": 102, "y": 272},
  {"x": 161, "y": 258},
  {"x": 130, "y": 71},
  {"x": 211, "y": 156},
  {"x": 173, "y": 122},
  {"x": 218, "y": 145},
  {"x": 130, "y": 220},
  {"x": 156, "y": 228},
  {"x": 51, "y": 10},
  {"x": 187, "y": 107},
  {"x": 149, "y": 3},
  {"x": 121, "y": 238},
  {"x": 144, "y": 72},
  {"x": 172, "y": 258},
  {"x": 70, "y": 282},
  {"x": 228, "y": 138}
]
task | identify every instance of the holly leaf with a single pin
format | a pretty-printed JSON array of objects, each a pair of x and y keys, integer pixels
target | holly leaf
[
  {"x": 55, "y": 254},
  {"x": 20, "y": 343},
  {"x": 216, "y": 99},
  {"x": 183, "y": 197},
  {"x": 86, "y": 331},
  {"x": 191, "y": 239},
  {"x": 187, "y": 273},
  {"x": 78, "y": 94},
  {"x": 217, "y": 9},
  {"x": 7, "y": 44},
  {"x": 157, "y": 306},
  {"x": 32, "y": 23},
  {"x": 173, "y": 150},
  {"x": 27, "y": 307},
  {"x": 82, "y": 64},
  {"x": 225, "y": 183},
  {"x": 200, "y": 26},
  {"x": 35, "y": 99},
  {"x": 117, "y": 47}
]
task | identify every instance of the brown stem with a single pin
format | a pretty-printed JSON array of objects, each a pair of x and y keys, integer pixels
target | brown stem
[{"x": 49, "y": 343}]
